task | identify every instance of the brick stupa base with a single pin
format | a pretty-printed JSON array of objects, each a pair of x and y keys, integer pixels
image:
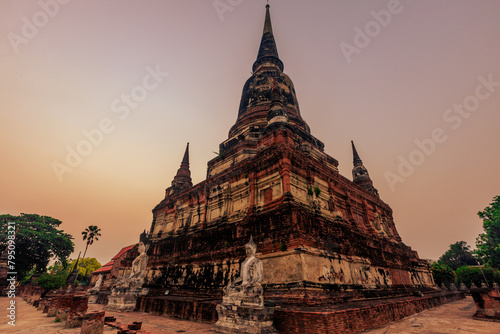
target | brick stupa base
[
  {"x": 356, "y": 317},
  {"x": 347, "y": 318}
]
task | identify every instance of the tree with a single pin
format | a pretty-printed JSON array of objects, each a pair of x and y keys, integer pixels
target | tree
[
  {"x": 86, "y": 267},
  {"x": 58, "y": 269},
  {"x": 50, "y": 282},
  {"x": 488, "y": 243},
  {"x": 458, "y": 255},
  {"x": 476, "y": 275},
  {"x": 38, "y": 240},
  {"x": 442, "y": 273},
  {"x": 91, "y": 234}
]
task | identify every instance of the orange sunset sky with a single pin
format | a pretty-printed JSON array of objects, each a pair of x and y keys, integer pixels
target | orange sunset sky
[{"x": 415, "y": 84}]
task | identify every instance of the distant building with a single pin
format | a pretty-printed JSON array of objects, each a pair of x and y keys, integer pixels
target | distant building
[{"x": 117, "y": 267}]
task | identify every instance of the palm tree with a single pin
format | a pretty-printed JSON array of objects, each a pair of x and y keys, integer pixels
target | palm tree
[{"x": 91, "y": 234}]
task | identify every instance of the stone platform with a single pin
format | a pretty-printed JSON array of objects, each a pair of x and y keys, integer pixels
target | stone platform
[
  {"x": 124, "y": 299},
  {"x": 454, "y": 317},
  {"x": 244, "y": 320},
  {"x": 358, "y": 316},
  {"x": 352, "y": 317},
  {"x": 186, "y": 308}
]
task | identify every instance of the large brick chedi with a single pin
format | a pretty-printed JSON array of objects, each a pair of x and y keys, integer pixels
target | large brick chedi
[{"x": 322, "y": 237}]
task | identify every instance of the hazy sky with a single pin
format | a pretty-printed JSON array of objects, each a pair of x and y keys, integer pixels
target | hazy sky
[{"x": 142, "y": 78}]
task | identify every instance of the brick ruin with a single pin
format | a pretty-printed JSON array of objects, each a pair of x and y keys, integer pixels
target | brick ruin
[
  {"x": 323, "y": 238},
  {"x": 120, "y": 265},
  {"x": 487, "y": 301}
]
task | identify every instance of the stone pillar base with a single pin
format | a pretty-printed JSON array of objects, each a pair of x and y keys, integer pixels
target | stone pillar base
[
  {"x": 237, "y": 319},
  {"x": 93, "y": 323},
  {"x": 124, "y": 299},
  {"x": 73, "y": 320},
  {"x": 93, "y": 298},
  {"x": 61, "y": 315},
  {"x": 487, "y": 303}
]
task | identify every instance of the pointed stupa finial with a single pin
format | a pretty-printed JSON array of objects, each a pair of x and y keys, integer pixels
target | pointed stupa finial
[
  {"x": 268, "y": 28},
  {"x": 268, "y": 52},
  {"x": 186, "y": 155},
  {"x": 182, "y": 179},
  {"x": 360, "y": 174},
  {"x": 356, "y": 158}
]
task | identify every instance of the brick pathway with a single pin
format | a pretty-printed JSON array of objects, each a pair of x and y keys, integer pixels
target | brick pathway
[{"x": 451, "y": 318}]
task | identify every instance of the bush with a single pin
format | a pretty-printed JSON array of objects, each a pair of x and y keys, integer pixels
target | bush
[
  {"x": 442, "y": 274},
  {"x": 51, "y": 282},
  {"x": 469, "y": 275}
]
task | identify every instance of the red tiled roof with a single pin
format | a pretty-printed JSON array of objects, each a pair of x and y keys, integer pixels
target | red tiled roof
[
  {"x": 124, "y": 249},
  {"x": 107, "y": 267},
  {"x": 110, "y": 263}
]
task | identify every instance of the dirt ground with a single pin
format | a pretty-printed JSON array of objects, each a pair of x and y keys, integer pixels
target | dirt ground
[
  {"x": 451, "y": 318},
  {"x": 29, "y": 320}
]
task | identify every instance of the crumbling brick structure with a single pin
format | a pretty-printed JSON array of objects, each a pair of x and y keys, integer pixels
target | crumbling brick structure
[
  {"x": 487, "y": 302},
  {"x": 323, "y": 238},
  {"x": 316, "y": 230}
]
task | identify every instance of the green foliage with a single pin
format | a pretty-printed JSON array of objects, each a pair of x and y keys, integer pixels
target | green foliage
[
  {"x": 310, "y": 191},
  {"x": 51, "y": 282},
  {"x": 442, "y": 273},
  {"x": 488, "y": 243},
  {"x": 317, "y": 191},
  {"x": 58, "y": 269},
  {"x": 86, "y": 266},
  {"x": 91, "y": 234},
  {"x": 38, "y": 241},
  {"x": 283, "y": 247},
  {"x": 468, "y": 275},
  {"x": 458, "y": 255},
  {"x": 27, "y": 277}
]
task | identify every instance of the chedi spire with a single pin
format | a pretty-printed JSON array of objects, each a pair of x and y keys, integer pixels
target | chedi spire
[
  {"x": 182, "y": 180},
  {"x": 266, "y": 83},
  {"x": 268, "y": 52},
  {"x": 277, "y": 113},
  {"x": 360, "y": 174}
]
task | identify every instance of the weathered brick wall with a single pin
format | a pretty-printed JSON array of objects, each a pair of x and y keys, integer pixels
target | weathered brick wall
[
  {"x": 355, "y": 320},
  {"x": 179, "y": 307},
  {"x": 487, "y": 302},
  {"x": 93, "y": 323},
  {"x": 290, "y": 226},
  {"x": 30, "y": 293},
  {"x": 70, "y": 303}
]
